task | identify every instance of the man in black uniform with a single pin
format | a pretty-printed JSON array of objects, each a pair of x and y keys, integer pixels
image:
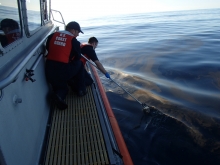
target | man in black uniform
[
  {"x": 88, "y": 50},
  {"x": 63, "y": 63}
]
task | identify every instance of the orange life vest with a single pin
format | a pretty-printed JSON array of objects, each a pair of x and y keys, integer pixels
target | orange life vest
[
  {"x": 83, "y": 59},
  {"x": 60, "y": 47}
]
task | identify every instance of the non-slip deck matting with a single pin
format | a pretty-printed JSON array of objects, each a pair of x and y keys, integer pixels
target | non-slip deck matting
[{"x": 76, "y": 137}]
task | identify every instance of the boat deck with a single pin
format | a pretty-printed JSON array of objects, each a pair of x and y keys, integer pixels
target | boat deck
[{"x": 76, "y": 134}]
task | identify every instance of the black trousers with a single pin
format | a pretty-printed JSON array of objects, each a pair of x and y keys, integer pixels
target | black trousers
[
  {"x": 58, "y": 74},
  {"x": 88, "y": 79}
]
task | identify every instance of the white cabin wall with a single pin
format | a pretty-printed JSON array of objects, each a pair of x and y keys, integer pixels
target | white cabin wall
[{"x": 23, "y": 125}]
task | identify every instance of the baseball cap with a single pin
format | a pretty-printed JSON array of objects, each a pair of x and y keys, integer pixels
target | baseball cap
[
  {"x": 74, "y": 25},
  {"x": 7, "y": 22}
]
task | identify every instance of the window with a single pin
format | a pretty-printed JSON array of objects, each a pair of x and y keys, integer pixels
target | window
[
  {"x": 10, "y": 29},
  {"x": 33, "y": 14}
]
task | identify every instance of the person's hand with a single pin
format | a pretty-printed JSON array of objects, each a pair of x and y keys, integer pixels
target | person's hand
[{"x": 107, "y": 75}]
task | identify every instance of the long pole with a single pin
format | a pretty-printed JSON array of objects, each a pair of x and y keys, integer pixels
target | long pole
[
  {"x": 146, "y": 108},
  {"x": 126, "y": 91}
]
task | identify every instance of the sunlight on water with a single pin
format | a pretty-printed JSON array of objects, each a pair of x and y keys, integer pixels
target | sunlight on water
[{"x": 169, "y": 61}]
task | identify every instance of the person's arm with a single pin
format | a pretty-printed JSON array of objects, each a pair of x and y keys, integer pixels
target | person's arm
[
  {"x": 92, "y": 55},
  {"x": 100, "y": 66},
  {"x": 46, "y": 48},
  {"x": 48, "y": 41},
  {"x": 75, "y": 52}
]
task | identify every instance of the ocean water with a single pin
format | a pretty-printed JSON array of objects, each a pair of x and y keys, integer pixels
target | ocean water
[{"x": 169, "y": 60}]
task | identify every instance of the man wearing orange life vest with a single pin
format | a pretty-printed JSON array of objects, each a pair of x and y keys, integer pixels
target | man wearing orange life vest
[
  {"x": 88, "y": 50},
  {"x": 11, "y": 30},
  {"x": 63, "y": 63}
]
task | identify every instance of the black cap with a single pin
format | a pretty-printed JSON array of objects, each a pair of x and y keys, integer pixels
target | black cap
[
  {"x": 74, "y": 25},
  {"x": 8, "y": 23}
]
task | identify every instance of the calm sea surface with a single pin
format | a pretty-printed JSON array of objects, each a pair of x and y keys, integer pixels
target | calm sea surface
[{"x": 169, "y": 60}]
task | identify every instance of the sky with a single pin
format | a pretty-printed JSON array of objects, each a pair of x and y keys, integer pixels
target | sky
[{"x": 76, "y": 10}]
